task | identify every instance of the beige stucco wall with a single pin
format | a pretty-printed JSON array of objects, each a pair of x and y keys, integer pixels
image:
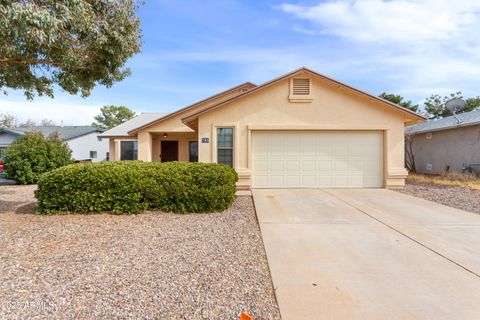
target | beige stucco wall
[
  {"x": 452, "y": 148},
  {"x": 147, "y": 149},
  {"x": 333, "y": 108},
  {"x": 114, "y": 146},
  {"x": 183, "y": 145}
]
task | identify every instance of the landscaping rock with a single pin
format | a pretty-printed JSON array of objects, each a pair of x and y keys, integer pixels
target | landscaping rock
[
  {"x": 149, "y": 266},
  {"x": 458, "y": 197}
]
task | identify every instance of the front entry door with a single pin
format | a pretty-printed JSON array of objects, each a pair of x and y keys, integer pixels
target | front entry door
[{"x": 169, "y": 151}]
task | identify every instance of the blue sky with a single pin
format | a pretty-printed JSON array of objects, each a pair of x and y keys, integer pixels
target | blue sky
[{"x": 194, "y": 49}]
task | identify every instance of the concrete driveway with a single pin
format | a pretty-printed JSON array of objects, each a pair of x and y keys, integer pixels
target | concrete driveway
[{"x": 369, "y": 254}]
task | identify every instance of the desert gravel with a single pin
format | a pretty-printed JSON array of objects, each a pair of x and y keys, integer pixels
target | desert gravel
[
  {"x": 149, "y": 266},
  {"x": 458, "y": 197}
]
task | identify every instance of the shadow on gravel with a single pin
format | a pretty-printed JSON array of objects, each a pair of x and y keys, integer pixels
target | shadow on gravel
[
  {"x": 9, "y": 206},
  {"x": 29, "y": 208}
]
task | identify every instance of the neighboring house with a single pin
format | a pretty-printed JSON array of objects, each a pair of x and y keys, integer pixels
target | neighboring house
[
  {"x": 82, "y": 140},
  {"x": 302, "y": 129},
  {"x": 447, "y": 144}
]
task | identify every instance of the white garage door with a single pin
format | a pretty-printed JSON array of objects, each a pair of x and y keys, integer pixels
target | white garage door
[{"x": 317, "y": 159}]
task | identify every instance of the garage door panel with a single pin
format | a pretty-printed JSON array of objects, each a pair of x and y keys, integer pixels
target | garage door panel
[
  {"x": 293, "y": 165},
  {"x": 261, "y": 181},
  {"x": 317, "y": 159},
  {"x": 325, "y": 181},
  {"x": 309, "y": 166},
  {"x": 293, "y": 181},
  {"x": 309, "y": 181},
  {"x": 276, "y": 166},
  {"x": 341, "y": 181},
  {"x": 325, "y": 165},
  {"x": 277, "y": 181}
]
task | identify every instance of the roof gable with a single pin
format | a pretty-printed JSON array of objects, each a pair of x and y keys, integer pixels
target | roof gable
[
  {"x": 140, "y": 120},
  {"x": 246, "y": 85},
  {"x": 415, "y": 116}
]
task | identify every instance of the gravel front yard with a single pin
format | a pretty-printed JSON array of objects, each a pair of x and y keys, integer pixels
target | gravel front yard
[
  {"x": 457, "y": 197},
  {"x": 150, "y": 266}
]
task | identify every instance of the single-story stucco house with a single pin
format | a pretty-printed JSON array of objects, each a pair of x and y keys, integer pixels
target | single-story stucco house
[
  {"x": 302, "y": 129},
  {"x": 448, "y": 144},
  {"x": 82, "y": 140}
]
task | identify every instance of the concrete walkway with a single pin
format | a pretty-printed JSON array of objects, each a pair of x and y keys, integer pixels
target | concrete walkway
[{"x": 369, "y": 254}]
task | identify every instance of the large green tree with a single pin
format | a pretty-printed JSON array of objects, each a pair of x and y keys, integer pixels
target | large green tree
[
  {"x": 112, "y": 116},
  {"x": 398, "y": 99},
  {"x": 73, "y": 44}
]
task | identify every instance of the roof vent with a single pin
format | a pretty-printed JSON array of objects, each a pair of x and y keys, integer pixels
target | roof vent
[
  {"x": 300, "y": 90},
  {"x": 301, "y": 87}
]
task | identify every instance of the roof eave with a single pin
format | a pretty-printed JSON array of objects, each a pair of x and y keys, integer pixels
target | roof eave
[
  {"x": 415, "y": 115},
  {"x": 191, "y": 106},
  {"x": 461, "y": 125},
  {"x": 8, "y": 130}
]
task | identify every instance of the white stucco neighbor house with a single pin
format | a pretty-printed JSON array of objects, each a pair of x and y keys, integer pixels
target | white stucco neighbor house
[{"x": 82, "y": 140}]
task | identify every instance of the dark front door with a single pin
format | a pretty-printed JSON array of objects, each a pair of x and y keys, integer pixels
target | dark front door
[{"x": 169, "y": 151}]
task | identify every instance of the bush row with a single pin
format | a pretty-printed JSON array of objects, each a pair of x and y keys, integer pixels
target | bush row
[{"x": 134, "y": 186}]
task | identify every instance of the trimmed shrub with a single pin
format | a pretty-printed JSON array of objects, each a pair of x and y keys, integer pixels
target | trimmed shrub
[
  {"x": 134, "y": 186},
  {"x": 32, "y": 154}
]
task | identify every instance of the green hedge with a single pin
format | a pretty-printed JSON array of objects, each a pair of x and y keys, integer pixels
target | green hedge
[{"x": 134, "y": 186}]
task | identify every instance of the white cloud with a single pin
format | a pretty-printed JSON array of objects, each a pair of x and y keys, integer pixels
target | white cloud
[
  {"x": 304, "y": 30},
  {"x": 400, "y": 20},
  {"x": 414, "y": 47},
  {"x": 70, "y": 114}
]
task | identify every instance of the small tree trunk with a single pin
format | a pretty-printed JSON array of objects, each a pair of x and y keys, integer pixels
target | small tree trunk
[{"x": 409, "y": 155}]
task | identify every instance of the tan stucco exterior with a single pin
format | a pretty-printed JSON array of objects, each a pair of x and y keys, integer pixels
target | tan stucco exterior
[{"x": 330, "y": 106}]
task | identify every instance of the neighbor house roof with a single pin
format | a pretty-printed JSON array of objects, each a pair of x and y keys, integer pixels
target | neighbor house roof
[
  {"x": 460, "y": 120},
  {"x": 64, "y": 132},
  {"x": 415, "y": 115},
  {"x": 136, "y": 122},
  {"x": 248, "y": 85}
]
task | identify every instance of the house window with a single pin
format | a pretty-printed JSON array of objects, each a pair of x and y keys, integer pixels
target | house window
[
  {"x": 225, "y": 146},
  {"x": 428, "y": 136},
  {"x": 93, "y": 154},
  {"x": 107, "y": 156},
  {"x": 193, "y": 149},
  {"x": 128, "y": 150}
]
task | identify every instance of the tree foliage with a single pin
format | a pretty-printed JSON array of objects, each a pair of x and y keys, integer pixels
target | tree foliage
[
  {"x": 472, "y": 104},
  {"x": 435, "y": 105},
  {"x": 7, "y": 120},
  {"x": 111, "y": 116},
  {"x": 398, "y": 99},
  {"x": 73, "y": 44},
  {"x": 32, "y": 154},
  {"x": 29, "y": 123},
  {"x": 47, "y": 123}
]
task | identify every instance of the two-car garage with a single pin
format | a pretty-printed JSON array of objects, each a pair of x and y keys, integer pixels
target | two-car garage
[{"x": 317, "y": 159}]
